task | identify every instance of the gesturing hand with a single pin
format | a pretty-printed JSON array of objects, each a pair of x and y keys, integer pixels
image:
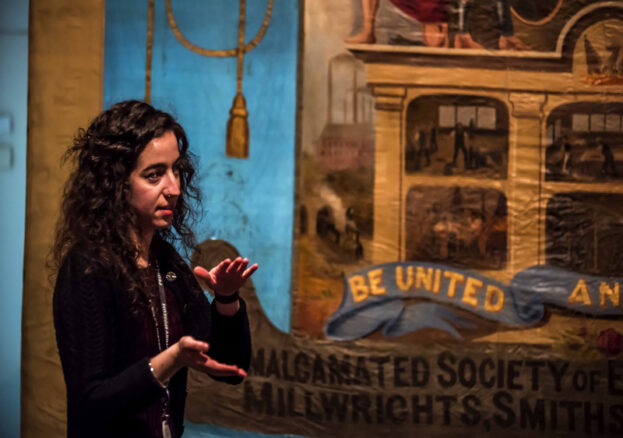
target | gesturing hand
[
  {"x": 227, "y": 277},
  {"x": 191, "y": 352}
]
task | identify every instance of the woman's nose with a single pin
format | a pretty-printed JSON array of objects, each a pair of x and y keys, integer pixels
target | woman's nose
[{"x": 173, "y": 185}]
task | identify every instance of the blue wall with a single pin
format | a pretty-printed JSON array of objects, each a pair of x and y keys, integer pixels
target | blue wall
[
  {"x": 13, "y": 101},
  {"x": 249, "y": 203}
]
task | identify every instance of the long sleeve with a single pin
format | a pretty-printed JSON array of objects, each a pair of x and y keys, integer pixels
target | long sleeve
[
  {"x": 229, "y": 336},
  {"x": 230, "y": 340},
  {"x": 87, "y": 321}
]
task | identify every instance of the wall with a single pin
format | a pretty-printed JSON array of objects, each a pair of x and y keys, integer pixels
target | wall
[
  {"x": 247, "y": 202},
  {"x": 64, "y": 91},
  {"x": 13, "y": 95}
]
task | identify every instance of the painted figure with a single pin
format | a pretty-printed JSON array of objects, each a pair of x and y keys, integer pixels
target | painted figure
[
  {"x": 424, "y": 147},
  {"x": 567, "y": 160},
  {"x": 430, "y": 13},
  {"x": 459, "y": 144},
  {"x": 434, "y": 147},
  {"x": 507, "y": 40},
  {"x": 476, "y": 159},
  {"x": 608, "y": 167},
  {"x": 413, "y": 150}
]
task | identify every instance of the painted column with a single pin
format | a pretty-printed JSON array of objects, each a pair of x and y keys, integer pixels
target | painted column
[
  {"x": 524, "y": 175},
  {"x": 387, "y": 173}
]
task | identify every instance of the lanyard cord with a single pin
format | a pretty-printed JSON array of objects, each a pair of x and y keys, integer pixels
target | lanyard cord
[
  {"x": 166, "y": 431},
  {"x": 165, "y": 318}
]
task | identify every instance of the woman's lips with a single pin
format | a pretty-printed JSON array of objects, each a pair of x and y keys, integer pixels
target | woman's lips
[{"x": 167, "y": 211}]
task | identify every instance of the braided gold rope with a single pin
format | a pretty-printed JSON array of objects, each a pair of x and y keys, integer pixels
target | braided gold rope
[
  {"x": 219, "y": 53},
  {"x": 150, "y": 43},
  {"x": 543, "y": 20},
  {"x": 240, "y": 54}
]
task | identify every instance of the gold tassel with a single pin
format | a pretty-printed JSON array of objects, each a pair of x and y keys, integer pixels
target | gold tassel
[{"x": 237, "y": 143}]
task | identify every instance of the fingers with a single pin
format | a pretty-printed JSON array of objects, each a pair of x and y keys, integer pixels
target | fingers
[
  {"x": 206, "y": 276},
  {"x": 233, "y": 266},
  {"x": 243, "y": 265},
  {"x": 239, "y": 372},
  {"x": 219, "y": 369},
  {"x": 222, "y": 267},
  {"x": 238, "y": 265},
  {"x": 246, "y": 274},
  {"x": 190, "y": 343},
  {"x": 227, "y": 275}
]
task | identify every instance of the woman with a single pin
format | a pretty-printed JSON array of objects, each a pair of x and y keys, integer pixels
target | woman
[{"x": 129, "y": 315}]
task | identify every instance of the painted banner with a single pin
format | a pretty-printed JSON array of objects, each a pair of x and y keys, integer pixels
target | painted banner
[{"x": 439, "y": 253}]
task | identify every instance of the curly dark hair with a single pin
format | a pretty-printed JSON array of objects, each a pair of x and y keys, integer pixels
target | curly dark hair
[{"x": 96, "y": 219}]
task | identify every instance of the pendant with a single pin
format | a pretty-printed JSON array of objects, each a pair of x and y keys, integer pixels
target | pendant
[{"x": 166, "y": 432}]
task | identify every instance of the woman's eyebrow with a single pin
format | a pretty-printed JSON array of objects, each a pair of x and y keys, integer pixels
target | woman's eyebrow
[{"x": 154, "y": 166}]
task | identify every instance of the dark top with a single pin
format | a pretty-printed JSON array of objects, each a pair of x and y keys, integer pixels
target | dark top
[
  {"x": 109, "y": 389},
  {"x": 152, "y": 343}
]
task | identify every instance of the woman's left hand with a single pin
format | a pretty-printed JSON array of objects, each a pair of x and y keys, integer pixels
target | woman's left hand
[{"x": 228, "y": 276}]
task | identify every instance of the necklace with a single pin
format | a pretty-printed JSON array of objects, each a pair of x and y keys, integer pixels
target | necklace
[
  {"x": 166, "y": 430},
  {"x": 163, "y": 306}
]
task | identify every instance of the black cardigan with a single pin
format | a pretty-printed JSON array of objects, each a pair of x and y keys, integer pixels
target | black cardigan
[{"x": 96, "y": 330}]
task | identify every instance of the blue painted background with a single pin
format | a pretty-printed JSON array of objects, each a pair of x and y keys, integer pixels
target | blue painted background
[
  {"x": 248, "y": 203},
  {"x": 13, "y": 103}
]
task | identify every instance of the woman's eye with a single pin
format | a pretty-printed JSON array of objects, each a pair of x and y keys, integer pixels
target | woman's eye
[{"x": 152, "y": 177}]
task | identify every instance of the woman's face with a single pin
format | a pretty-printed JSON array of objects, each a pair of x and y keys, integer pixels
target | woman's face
[{"x": 155, "y": 183}]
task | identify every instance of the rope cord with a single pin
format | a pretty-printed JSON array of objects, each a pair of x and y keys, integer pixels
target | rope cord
[
  {"x": 222, "y": 53},
  {"x": 150, "y": 42},
  {"x": 241, "y": 24},
  {"x": 543, "y": 20}
]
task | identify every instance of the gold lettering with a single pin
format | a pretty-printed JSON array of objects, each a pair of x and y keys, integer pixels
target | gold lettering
[
  {"x": 437, "y": 286},
  {"x": 469, "y": 293},
  {"x": 400, "y": 278},
  {"x": 612, "y": 294},
  {"x": 358, "y": 286},
  {"x": 424, "y": 278},
  {"x": 494, "y": 299},
  {"x": 580, "y": 294},
  {"x": 376, "y": 278},
  {"x": 455, "y": 278}
]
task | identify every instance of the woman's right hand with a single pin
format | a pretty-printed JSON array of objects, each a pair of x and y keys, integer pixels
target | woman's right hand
[{"x": 190, "y": 352}]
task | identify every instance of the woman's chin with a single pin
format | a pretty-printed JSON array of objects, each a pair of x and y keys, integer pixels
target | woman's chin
[{"x": 163, "y": 223}]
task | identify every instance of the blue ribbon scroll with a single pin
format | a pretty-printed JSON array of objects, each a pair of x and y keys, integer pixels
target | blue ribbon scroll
[{"x": 377, "y": 297}]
